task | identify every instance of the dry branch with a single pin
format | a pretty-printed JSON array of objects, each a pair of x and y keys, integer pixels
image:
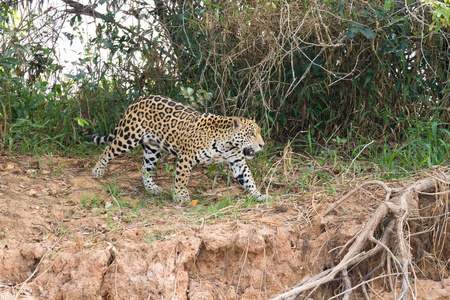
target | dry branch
[
  {"x": 392, "y": 213},
  {"x": 87, "y": 10}
]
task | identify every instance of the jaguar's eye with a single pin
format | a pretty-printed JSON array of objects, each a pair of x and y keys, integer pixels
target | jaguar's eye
[{"x": 252, "y": 134}]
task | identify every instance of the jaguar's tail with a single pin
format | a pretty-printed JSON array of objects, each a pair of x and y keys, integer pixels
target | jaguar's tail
[{"x": 101, "y": 140}]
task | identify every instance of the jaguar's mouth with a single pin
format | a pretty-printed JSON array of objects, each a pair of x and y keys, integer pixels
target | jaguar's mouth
[{"x": 249, "y": 152}]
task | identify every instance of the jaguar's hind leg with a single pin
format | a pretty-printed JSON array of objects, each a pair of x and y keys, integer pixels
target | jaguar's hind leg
[
  {"x": 99, "y": 170},
  {"x": 151, "y": 155},
  {"x": 183, "y": 171},
  {"x": 119, "y": 146}
]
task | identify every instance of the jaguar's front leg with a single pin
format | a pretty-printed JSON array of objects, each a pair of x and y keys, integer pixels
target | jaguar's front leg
[
  {"x": 151, "y": 155},
  {"x": 242, "y": 173},
  {"x": 183, "y": 171}
]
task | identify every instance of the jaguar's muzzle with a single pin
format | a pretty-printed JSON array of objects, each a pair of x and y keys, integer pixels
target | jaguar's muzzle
[{"x": 249, "y": 152}]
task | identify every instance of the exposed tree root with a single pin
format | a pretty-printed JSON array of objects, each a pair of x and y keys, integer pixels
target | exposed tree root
[{"x": 385, "y": 234}]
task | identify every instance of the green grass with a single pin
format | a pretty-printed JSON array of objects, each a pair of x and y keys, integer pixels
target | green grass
[
  {"x": 147, "y": 199},
  {"x": 423, "y": 145},
  {"x": 92, "y": 200},
  {"x": 218, "y": 171}
]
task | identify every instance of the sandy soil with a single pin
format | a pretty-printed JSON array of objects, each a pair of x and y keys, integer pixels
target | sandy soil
[{"x": 62, "y": 236}]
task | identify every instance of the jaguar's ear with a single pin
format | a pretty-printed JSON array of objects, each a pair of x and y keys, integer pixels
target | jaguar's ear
[{"x": 236, "y": 123}]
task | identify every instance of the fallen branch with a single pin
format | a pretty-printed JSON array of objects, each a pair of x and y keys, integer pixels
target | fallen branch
[
  {"x": 390, "y": 218},
  {"x": 389, "y": 191}
]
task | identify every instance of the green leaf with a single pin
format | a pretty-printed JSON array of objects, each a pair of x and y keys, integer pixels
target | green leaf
[
  {"x": 81, "y": 122},
  {"x": 8, "y": 52},
  {"x": 388, "y": 4},
  {"x": 351, "y": 33},
  {"x": 368, "y": 79},
  {"x": 368, "y": 33},
  {"x": 49, "y": 95}
]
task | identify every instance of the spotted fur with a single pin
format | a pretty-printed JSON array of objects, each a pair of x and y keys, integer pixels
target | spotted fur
[{"x": 161, "y": 124}]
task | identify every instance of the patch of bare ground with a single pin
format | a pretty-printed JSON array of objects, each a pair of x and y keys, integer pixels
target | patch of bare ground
[{"x": 63, "y": 236}]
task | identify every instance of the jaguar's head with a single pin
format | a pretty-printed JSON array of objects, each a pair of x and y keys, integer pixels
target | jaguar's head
[{"x": 247, "y": 136}]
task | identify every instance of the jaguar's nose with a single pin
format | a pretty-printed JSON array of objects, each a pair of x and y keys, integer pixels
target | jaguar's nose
[{"x": 261, "y": 145}]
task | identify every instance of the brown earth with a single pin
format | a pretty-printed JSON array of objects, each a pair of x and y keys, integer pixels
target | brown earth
[{"x": 63, "y": 236}]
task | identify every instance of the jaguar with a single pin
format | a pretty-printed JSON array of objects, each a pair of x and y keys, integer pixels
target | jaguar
[{"x": 161, "y": 125}]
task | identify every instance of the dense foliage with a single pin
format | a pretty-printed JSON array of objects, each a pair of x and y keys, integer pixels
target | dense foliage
[{"x": 336, "y": 72}]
